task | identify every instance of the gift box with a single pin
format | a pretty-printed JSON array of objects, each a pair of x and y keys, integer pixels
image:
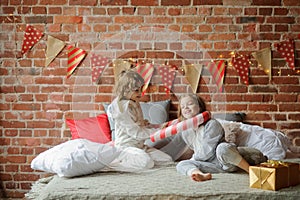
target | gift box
[{"x": 274, "y": 175}]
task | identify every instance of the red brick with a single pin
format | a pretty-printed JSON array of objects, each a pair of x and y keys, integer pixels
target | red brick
[
  {"x": 54, "y": 10},
  {"x": 220, "y": 45},
  {"x": 128, "y": 11},
  {"x": 176, "y": 3},
  {"x": 29, "y": 2},
  {"x": 289, "y": 125},
  {"x": 83, "y": 2},
  {"x": 7, "y": 10},
  {"x": 67, "y": 20},
  {"x": 289, "y": 107},
  {"x": 220, "y": 11},
  {"x": 281, "y": 20},
  {"x": 237, "y": 3},
  {"x": 267, "y": 2},
  {"x": 25, "y": 133},
  {"x": 159, "y": 20},
  {"x": 290, "y": 89},
  {"x": 144, "y": 3},
  {"x": 60, "y": 2},
  {"x": 262, "y": 107},
  {"x": 15, "y": 159},
  {"x": 208, "y": 2},
  {"x": 99, "y": 11},
  {"x": 129, "y": 19},
  {"x": 258, "y": 116},
  {"x": 189, "y": 11},
  {"x": 219, "y": 20},
  {"x": 265, "y": 11},
  {"x": 13, "y": 150},
  {"x": 250, "y": 11},
  {"x": 221, "y": 28},
  {"x": 114, "y": 2},
  {"x": 294, "y": 117},
  {"x": 174, "y": 11},
  {"x": 39, "y": 10},
  {"x": 291, "y": 3},
  {"x": 280, "y": 11},
  {"x": 280, "y": 117},
  {"x": 284, "y": 80}
]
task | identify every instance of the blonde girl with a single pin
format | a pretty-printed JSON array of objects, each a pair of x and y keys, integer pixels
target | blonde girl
[{"x": 131, "y": 130}]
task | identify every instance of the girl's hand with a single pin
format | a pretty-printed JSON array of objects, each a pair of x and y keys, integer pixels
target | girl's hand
[{"x": 164, "y": 125}]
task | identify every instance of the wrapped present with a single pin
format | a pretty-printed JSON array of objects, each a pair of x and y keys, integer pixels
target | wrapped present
[{"x": 274, "y": 175}]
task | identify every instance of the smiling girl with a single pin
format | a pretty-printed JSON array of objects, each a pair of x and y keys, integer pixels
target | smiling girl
[{"x": 211, "y": 153}]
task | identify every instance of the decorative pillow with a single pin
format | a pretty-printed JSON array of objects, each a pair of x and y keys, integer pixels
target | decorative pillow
[
  {"x": 75, "y": 158},
  {"x": 155, "y": 112},
  {"x": 95, "y": 129}
]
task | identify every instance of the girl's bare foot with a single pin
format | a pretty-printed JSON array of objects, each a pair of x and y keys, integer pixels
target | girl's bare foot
[{"x": 199, "y": 176}]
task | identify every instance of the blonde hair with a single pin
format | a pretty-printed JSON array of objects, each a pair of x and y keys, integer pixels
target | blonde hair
[
  {"x": 197, "y": 100},
  {"x": 129, "y": 81}
]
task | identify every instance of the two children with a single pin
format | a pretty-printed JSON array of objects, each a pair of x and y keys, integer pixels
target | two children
[{"x": 211, "y": 152}]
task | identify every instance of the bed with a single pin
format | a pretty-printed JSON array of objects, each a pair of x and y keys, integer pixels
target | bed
[
  {"x": 161, "y": 182},
  {"x": 79, "y": 169}
]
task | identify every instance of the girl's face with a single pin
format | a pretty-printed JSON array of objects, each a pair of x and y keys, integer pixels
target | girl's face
[
  {"x": 189, "y": 107},
  {"x": 136, "y": 94}
]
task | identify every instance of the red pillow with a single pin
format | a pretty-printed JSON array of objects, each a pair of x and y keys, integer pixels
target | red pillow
[{"x": 95, "y": 129}]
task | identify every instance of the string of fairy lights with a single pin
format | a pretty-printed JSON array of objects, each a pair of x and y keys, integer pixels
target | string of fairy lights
[{"x": 13, "y": 19}]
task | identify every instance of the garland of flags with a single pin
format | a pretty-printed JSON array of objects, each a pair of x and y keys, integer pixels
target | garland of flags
[{"x": 241, "y": 63}]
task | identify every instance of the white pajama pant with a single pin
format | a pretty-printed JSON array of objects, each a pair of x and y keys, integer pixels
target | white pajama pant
[
  {"x": 226, "y": 160},
  {"x": 133, "y": 159}
]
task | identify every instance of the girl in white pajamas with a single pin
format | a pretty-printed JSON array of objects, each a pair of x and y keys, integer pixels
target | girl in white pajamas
[
  {"x": 211, "y": 153},
  {"x": 131, "y": 130}
]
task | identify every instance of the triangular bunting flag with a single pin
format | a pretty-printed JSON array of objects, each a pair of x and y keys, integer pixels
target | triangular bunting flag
[
  {"x": 263, "y": 57},
  {"x": 146, "y": 71},
  {"x": 54, "y": 46},
  {"x": 167, "y": 76},
  {"x": 31, "y": 37},
  {"x": 75, "y": 56},
  {"x": 217, "y": 70},
  {"x": 98, "y": 64},
  {"x": 192, "y": 74},
  {"x": 241, "y": 64},
  {"x": 286, "y": 49},
  {"x": 120, "y": 65}
]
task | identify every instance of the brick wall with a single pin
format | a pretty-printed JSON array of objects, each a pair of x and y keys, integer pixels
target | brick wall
[{"x": 36, "y": 100}]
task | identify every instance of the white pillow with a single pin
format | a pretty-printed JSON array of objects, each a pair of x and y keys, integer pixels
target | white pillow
[{"x": 75, "y": 158}]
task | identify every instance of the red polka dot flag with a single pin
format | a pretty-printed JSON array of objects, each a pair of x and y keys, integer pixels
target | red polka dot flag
[
  {"x": 75, "y": 56},
  {"x": 31, "y": 37},
  {"x": 286, "y": 49},
  {"x": 98, "y": 63},
  {"x": 167, "y": 74},
  {"x": 146, "y": 71},
  {"x": 242, "y": 65}
]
